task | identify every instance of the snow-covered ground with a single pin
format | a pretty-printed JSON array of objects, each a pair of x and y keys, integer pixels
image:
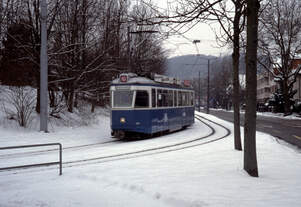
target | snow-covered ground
[
  {"x": 268, "y": 114},
  {"x": 205, "y": 175}
]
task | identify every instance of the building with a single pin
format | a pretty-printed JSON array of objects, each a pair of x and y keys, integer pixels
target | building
[
  {"x": 266, "y": 86},
  {"x": 297, "y": 85}
]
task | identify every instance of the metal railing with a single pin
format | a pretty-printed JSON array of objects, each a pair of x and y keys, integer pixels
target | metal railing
[{"x": 39, "y": 164}]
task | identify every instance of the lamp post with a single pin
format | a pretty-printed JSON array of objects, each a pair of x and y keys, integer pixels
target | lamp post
[
  {"x": 208, "y": 78},
  {"x": 199, "y": 107},
  {"x": 43, "y": 70},
  {"x": 208, "y": 91}
]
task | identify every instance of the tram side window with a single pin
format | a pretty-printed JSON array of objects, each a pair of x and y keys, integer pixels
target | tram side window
[
  {"x": 180, "y": 98},
  {"x": 153, "y": 97},
  {"x": 141, "y": 99},
  {"x": 162, "y": 98},
  {"x": 192, "y": 98},
  {"x": 159, "y": 98},
  {"x": 170, "y": 98},
  {"x": 175, "y": 100},
  {"x": 184, "y": 98},
  {"x": 187, "y": 99}
]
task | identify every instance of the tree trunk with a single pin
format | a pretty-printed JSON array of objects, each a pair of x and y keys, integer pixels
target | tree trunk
[
  {"x": 70, "y": 100},
  {"x": 76, "y": 100},
  {"x": 286, "y": 98},
  {"x": 236, "y": 102},
  {"x": 38, "y": 95},
  {"x": 235, "y": 62},
  {"x": 52, "y": 97},
  {"x": 250, "y": 159},
  {"x": 69, "y": 96},
  {"x": 93, "y": 106}
]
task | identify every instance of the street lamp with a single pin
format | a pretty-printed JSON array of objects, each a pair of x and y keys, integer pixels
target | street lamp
[
  {"x": 196, "y": 41},
  {"x": 208, "y": 78}
]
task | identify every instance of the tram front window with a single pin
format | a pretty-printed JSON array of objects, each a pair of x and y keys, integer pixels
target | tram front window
[
  {"x": 122, "y": 98},
  {"x": 141, "y": 99}
]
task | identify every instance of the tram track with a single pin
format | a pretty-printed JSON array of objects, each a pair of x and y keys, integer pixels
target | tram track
[
  {"x": 156, "y": 150},
  {"x": 40, "y": 152},
  {"x": 203, "y": 140}
]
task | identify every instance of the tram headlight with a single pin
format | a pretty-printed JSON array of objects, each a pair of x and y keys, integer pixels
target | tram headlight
[{"x": 122, "y": 120}]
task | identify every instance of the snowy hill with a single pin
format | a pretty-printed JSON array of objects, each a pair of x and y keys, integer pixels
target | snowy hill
[{"x": 188, "y": 66}]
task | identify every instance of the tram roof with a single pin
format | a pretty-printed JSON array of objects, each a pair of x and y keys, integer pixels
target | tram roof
[{"x": 138, "y": 80}]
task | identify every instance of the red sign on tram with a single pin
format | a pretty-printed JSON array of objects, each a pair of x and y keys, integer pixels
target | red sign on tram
[
  {"x": 123, "y": 78},
  {"x": 186, "y": 82}
]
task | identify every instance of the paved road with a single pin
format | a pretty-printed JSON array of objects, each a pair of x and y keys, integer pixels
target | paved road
[{"x": 286, "y": 129}]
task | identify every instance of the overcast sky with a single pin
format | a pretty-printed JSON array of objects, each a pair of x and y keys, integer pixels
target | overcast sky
[{"x": 182, "y": 44}]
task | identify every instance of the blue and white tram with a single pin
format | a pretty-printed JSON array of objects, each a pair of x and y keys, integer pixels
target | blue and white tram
[{"x": 141, "y": 105}]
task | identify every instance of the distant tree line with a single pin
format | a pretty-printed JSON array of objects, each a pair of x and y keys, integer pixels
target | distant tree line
[
  {"x": 220, "y": 84},
  {"x": 89, "y": 43}
]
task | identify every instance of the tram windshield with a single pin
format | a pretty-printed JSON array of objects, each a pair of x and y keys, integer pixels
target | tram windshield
[{"x": 122, "y": 98}]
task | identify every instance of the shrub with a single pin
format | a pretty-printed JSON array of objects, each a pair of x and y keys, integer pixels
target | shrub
[{"x": 19, "y": 104}]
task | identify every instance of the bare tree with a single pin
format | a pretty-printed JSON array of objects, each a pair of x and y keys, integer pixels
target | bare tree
[
  {"x": 26, "y": 13},
  {"x": 145, "y": 43},
  {"x": 280, "y": 31},
  {"x": 189, "y": 13},
  {"x": 19, "y": 104},
  {"x": 1, "y": 25},
  {"x": 223, "y": 80},
  {"x": 88, "y": 44},
  {"x": 250, "y": 158},
  {"x": 192, "y": 12},
  {"x": 91, "y": 45},
  {"x": 232, "y": 25}
]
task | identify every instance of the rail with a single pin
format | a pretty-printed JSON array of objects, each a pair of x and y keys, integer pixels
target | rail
[{"x": 39, "y": 164}]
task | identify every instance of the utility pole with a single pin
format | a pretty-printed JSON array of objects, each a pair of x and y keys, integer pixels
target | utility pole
[
  {"x": 129, "y": 49},
  {"x": 199, "y": 107},
  {"x": 208, "y": 90},
  {"x": 43, "y": 70},
  {"x": 139, "y": 32},
  {"x": 195, "y": 42},
  {"x": 208, "y": 78}
]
